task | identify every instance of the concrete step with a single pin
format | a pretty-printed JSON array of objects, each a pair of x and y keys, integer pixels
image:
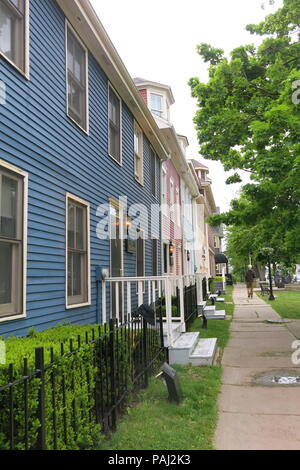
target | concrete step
[
  {"x": 180, "y": 352},
  {"x": 204, "y": 352},
  {"x": 209, "y": 309},
  {"x": 176, "y": 332},
  {"x": 216, "y": 315}
]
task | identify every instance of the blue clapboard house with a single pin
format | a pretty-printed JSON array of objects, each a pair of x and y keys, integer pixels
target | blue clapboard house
[{"x": 75, "y": 136}]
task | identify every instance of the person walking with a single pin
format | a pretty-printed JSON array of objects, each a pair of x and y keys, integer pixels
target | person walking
[{"x": 250, "y": 276}]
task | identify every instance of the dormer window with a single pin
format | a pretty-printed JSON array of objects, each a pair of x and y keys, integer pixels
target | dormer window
[{"x": 156, "y": 104}]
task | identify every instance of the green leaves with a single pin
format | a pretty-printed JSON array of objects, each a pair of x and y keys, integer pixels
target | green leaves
[{"x": 249, "y": 119}]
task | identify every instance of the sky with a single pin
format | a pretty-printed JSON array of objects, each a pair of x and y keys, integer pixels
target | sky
[{"x": 157, "y": 39}]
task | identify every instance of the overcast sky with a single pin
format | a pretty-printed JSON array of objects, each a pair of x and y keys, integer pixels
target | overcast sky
[{"x": 157, "y": 40}]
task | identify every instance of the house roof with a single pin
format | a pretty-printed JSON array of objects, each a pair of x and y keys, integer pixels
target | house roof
[
  {"x": 140, "y": 82},
  {"x": 86, "y": 23},
  {"x": 197, "y": 164}
]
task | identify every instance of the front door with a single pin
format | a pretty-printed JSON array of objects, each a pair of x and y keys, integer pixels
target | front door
[{"x": 116, "y": 257}]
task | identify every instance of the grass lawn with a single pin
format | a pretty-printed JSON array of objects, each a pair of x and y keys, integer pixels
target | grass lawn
[
  {"x": 287, "y": 304},
  {"x": 156, "y": 424},
  {"x": 152, "y": 423}
]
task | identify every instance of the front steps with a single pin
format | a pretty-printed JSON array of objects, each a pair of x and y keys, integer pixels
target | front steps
[
  {"x": 212, "y": 314},
  {"x": 176, "y": 332},
  {"x": 190, "y": 349}
]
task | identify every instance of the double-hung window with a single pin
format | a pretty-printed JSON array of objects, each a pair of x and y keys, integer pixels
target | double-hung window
[
  {"x": 11, "y": 242},
  {"x": 78, "y": 278},
  {"x": 156, "y": 102},
  {"x": 77, "y": 80},
  {"x": 138, "y": 153},
  {"x": 114, "y": 117},
  {"x": 13, "y": 32},
  {"x": 172, "y": 208},
  {"x": 153, "y": 172}
]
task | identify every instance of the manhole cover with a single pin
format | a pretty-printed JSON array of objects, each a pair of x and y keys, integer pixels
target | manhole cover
[{"x": 278, "y": 377}]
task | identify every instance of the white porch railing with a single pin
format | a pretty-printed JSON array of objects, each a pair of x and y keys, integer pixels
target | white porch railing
[{"x": 121, "y": 296}]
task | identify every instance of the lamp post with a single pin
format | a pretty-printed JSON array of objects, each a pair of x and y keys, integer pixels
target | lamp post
[{"x": 268, "y": 253}]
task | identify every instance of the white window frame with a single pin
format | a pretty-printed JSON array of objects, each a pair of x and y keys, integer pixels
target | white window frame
[
  {"x": 120, "y": 163},
  {"x": 154, "y": 156},
  {"x": 157, "y": 112},
  {"x": 171, "y": 199},
  {"x": 140, "y": 155},
  {"x": 26, "y": 71},
  {"x": 24, "y": 174},
  {"x": 164, "y": 201},
  {"x": 87, "y": 205},
  {"x": 177, "y": 206},
  {"x": 70, "y": 27}
]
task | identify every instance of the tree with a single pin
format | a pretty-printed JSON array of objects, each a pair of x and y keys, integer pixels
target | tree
[{"x": 249, "y": 119}]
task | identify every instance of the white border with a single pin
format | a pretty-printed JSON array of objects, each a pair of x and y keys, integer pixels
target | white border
[
  {"x": 120, "y": 163},
  {"x": 87, "y": 205},
  {"x": 23, "y": 173},
  {"x": 26, "y": 71},
  {"x": 138, "y": 128},
  {"x": 156, "y": 173},
  {"x": 87, "y": 117}
]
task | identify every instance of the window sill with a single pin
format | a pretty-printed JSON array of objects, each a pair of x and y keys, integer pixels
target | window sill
[
  {"x": 115, "y": 160},
  {"x": 141, "y": 183},
  {"x": 84, "y": 304},
  {"x": 10, "y": 62},
  {"x": 86, "y": 131},
  {"x": 12, "y": 318}
]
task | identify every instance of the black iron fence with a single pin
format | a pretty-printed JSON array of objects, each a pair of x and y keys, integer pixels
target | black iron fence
[
  {"x": 72, "y": 393},
  {"x": 204, "y": 289},
  {"x": 190, "y": 305}
]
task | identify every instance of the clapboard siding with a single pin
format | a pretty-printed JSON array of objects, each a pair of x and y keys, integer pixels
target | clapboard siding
[{"x": 37, "y": 136}]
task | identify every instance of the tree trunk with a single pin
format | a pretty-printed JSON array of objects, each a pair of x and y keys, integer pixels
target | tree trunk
[{"x": 260, "y": 271}]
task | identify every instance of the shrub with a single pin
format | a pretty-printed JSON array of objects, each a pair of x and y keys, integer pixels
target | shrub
[{"x": 73, "y": 383}]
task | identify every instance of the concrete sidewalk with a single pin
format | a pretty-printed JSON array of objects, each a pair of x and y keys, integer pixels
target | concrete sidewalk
[{"x": 256, "y": 416}]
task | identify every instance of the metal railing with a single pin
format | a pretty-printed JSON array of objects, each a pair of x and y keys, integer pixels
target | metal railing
[
  {"x": 51, "y": 404},
  {"x": 122, "y": 295}
]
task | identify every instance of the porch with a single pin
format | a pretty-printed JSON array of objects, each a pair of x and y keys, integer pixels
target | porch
[{"x": 175, "y": 301}]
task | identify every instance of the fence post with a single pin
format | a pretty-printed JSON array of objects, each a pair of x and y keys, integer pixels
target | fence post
[
  {"x": 112, "y": 372},
  {"x": 40, "y": 368},
  {"x": 145, "y": 349}
]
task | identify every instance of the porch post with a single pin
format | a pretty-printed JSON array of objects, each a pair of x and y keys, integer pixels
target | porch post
[
  {"x": 169, "y": 311},
  {"x": 199, "y": 288},
  {"x": 181, "y": 300}
]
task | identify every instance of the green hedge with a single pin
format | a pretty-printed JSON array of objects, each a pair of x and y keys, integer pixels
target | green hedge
[{"x": 83, "y": 375}]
